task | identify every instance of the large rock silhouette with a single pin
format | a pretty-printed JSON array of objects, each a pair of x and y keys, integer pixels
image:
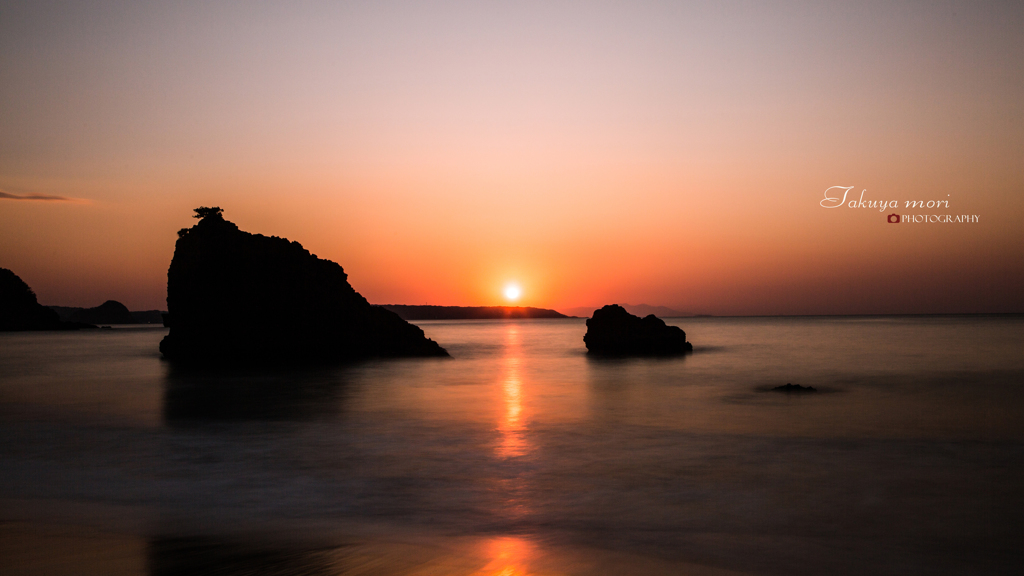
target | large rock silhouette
[
  {"x": 612, "y": 331},
  {"x": 237, "y": 297}
]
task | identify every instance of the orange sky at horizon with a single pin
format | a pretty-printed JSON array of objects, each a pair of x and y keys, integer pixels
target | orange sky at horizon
[{"x": 653, "y": 152}]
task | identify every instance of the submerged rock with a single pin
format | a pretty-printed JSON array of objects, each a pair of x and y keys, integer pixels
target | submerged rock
[
  {"x": 612, "y": 331},
  {"x": 794, "y": 388},
  {"x": 19, "y": 309},
  {"x": 237, "y": 297}
]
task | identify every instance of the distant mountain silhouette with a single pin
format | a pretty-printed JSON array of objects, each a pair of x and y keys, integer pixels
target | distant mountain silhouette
[
  {"x": 236, "y": 297},
  {"x": 614, "y": 332},
  {"x": 66, "y": 313},
  {"x": 148, "y": 316},
  {"x": 643, "y": 310},
  {"x": 635, "y": 309},
  {"x": 19, "y": 309},
  {"x": 110, "y": 312},
  {"x": 469, "y": 312}
]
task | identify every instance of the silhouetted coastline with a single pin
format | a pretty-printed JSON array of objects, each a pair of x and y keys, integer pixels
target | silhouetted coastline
[
  {"x": 640, "y": 310},
  {"x": 612, "y": 331},
  {"x": 470, "y": 312},
  {"x": 110, "y": 312},
  {"x": 148, "y": 316},
  {"x": 240, "y": 298},
  {"x": 20, "y": 310},
  {"x": 71, "y": 313}
]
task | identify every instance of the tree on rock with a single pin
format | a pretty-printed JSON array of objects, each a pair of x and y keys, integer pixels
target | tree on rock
[{"x": 204, "y": 212}]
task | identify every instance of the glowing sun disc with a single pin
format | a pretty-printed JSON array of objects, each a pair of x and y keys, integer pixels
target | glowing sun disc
[{"x": 512, "y": 292}]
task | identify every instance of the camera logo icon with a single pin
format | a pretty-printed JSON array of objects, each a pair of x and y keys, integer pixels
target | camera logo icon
[{"x": 894, "y": 218}]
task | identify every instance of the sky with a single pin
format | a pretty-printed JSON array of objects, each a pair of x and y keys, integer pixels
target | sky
[{"x": 670, "y": 153}]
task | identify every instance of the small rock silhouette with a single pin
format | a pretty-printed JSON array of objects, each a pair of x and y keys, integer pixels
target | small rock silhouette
[
  {"x": 612, "y": 331},
  {"x": 794, "y": 388}
]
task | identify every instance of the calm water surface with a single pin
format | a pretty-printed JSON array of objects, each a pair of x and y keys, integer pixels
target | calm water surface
[{"x": 520, "y": 455}]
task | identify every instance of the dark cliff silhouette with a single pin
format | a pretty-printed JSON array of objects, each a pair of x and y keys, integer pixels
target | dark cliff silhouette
[
  {"x": 19, "y": 309},
  {"x": 612, "y": 331},
  {"x": 236, "y": 297},
  {"x": 470, "y": 312}
]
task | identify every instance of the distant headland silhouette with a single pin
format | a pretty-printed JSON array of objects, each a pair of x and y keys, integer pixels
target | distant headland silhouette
[
  {"x": 426, "y": 312},
  {"x": 640, "y": 310},
  {"x": 612, "y": 331},
  {"x": 20, "y": 310},
  {"x": 236, "y": 297},
  {"x": 110, "y": 312}
]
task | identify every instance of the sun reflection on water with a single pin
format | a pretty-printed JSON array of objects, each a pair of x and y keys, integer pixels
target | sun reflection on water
[
  {"x": 510, "y": 556},
  {"x": 513, "y": 433}
]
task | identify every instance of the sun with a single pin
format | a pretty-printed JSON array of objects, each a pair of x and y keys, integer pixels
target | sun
[{"x": 512, "y": 292}]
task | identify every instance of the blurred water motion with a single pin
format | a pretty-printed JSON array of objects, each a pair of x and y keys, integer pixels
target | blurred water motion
[
  {"x": 194, "y": 396},
  {"x": 513, "y": 433},
  {"x": 523, "y": 456},
  {"x": 179, "y": 556},
  {"x": 511, "y": 557}
]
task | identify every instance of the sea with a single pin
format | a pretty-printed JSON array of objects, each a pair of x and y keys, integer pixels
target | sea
[{"x": 520, "y": 455}]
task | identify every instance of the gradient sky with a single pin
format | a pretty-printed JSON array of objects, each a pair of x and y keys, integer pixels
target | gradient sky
[{"x": 594, "y": 152}]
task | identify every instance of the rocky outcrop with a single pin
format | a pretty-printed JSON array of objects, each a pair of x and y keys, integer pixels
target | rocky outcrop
[
  {"x": 19, "y": 309},
  {"x": 612, "y": 331},
  {"x": 237, "y": 297}
]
